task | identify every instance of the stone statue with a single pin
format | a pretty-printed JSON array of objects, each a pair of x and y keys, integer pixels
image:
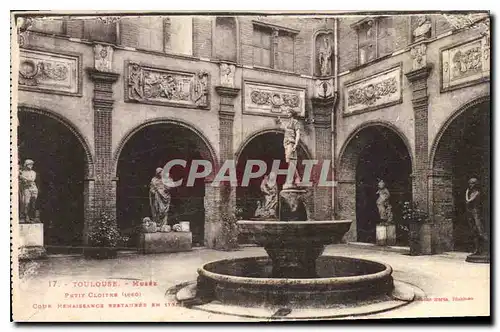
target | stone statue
[
  {"x": 290, "y": 143},
  {"x": 325, "y": 57},
  {"x": 423, "y": 29},
  {"x": 159, "y": 197},
  {"x": 269, "y": 188},
  {"x": 473, "y": 207},
  {"x": 28, "y": 192},
  {"x": 383, "y": 204}
]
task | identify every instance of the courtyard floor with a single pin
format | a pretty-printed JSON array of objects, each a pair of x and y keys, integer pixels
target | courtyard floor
[{"x": 49, "y": 288}]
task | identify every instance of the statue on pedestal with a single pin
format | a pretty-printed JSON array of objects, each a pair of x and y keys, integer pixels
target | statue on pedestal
[
  {"x": 290, "y": 143},
  {"x": 269, "y": 188},
  {"x": 160, "y": 197},
  {"x": 325, "y": 57},
  {"x": 383, "y": 204},
  {"x": 473, "y": 207},
  {"x": 28, "y": 193}
]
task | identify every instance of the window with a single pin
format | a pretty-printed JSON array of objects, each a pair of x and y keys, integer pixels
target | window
[
  {"x": 273, "y": 47},
  {"x": 375, "y": 38},
  {"x": 262, "y": 46}
]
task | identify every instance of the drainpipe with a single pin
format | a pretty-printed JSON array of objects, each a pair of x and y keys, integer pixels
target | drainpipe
[{"x": 335, "y": 88}]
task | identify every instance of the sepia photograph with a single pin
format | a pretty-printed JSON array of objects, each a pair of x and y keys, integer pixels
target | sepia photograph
[{"x": 250, "y": 166}]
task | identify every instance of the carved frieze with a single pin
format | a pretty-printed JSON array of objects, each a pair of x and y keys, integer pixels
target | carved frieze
[
  {"x": 269, "y": 99},
  {"x": 103, "y": 58},
  {"x": 49, "y": 72},
  {"x": 166, "y": 87},
  {"x": 380, "y": 90},
  {"x": 465, "y": 64}
]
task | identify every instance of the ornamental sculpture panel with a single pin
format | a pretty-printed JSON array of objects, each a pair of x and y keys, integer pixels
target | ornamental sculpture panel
[
  {"x": 267, "y": 99},
  {"x": 380, "y": 90},
  {"x": 165, "y": 87},
  {"x": 465, "y": 64},
  {"x": 49, "y": 72}
]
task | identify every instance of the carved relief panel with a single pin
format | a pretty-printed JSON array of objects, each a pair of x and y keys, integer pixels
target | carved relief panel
[
  {"x": 380, "y": 90},
  {"x": 150, "y": 85},
  {"x": 50, "y": 72},
  {"x": 465, "y": 64},
  {"x": 273, "y": 100}
]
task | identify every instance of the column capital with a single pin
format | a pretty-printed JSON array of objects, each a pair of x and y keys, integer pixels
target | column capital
[
  {"x": 419, "y": 74},
  {"x": 225, "y": 91},
  {"x": 324, "y": 103},
  {"x": 100, "y": 76}
]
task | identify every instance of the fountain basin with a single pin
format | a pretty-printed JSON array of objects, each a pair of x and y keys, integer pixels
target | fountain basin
[
  {"x": 250, "y": 282},
  {"x": 294, "y": 246}
]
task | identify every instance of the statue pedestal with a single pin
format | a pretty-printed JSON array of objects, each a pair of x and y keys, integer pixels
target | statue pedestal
[
  {"x": 31, "y": 241},
  {"x": 386, "y": 235},
  {"x": 482, "y": 257},
  {"x": 155, "y": 243},
  {"x": 292, "y": 205}
]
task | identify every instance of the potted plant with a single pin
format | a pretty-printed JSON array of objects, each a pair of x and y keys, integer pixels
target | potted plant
[
  {"x": 103, "y": 238},
  {"x": 419, "y": 229}
]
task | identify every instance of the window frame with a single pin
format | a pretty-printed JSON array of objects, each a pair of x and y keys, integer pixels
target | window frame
[
  {"x": 361, "y": 26},
  {"x": 276, "y": 32}
]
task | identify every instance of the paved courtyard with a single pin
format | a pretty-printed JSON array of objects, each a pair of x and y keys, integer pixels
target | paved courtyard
[{"x": 452, "y": 287}]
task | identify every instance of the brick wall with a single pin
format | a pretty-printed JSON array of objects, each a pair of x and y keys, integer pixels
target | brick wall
[{"x": 202, "y": 36}]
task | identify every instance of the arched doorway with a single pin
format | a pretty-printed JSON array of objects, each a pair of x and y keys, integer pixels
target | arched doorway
[
  {"x": 462, "y": 151},
  {"x": 61, "y": 165},
  {"x": 374, "y": 152},
  {"x": 146, "y": 149},
  {"x": 266, "y": 146}
]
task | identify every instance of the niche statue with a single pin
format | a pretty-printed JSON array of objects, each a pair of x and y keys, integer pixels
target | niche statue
[
  {"x": 28, "y": 193},
  {"x": 383, "y": 204},
  {"x": 160, "y": 197},
  {"x": 473, "y": 207}
]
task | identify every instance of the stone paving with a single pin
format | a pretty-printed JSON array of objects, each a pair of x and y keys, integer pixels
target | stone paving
[{"x": 452, "y": 286}]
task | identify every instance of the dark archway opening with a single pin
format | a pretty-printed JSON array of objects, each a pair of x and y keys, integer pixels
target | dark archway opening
[
  {"x": 60, "y": 166},
  {"x": 148, "y": 149},
  {"x": 464, "y": 151},
  {"x": 384, "y": 156},
  {"x": 266, "y": 147}
]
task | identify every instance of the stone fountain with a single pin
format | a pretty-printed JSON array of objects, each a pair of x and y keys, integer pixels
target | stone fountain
[{"x": 294, "y": 275}]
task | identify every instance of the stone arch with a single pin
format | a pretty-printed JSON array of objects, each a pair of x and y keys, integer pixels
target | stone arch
[
  {"x": 65, "y": 183},
  {"x": 89, "y": 162},
  {"x": 229, "y": 27},
  {"x": 472, "y": 103},
  {"x": 347, "y": 173},
  {"x": 189, "y": 126},
  {"x": 373, "y": 150},
  {"x": 147, "y": 147},
  {"x": 460, "y": 150}
]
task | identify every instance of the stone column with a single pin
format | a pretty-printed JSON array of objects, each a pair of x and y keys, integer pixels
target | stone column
[
  {"x": 104, "y": 188},
  {"x": 322, "y": 112},
  {"x": 418, "y": 79},
  {"x": 223, "y": 234}
]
